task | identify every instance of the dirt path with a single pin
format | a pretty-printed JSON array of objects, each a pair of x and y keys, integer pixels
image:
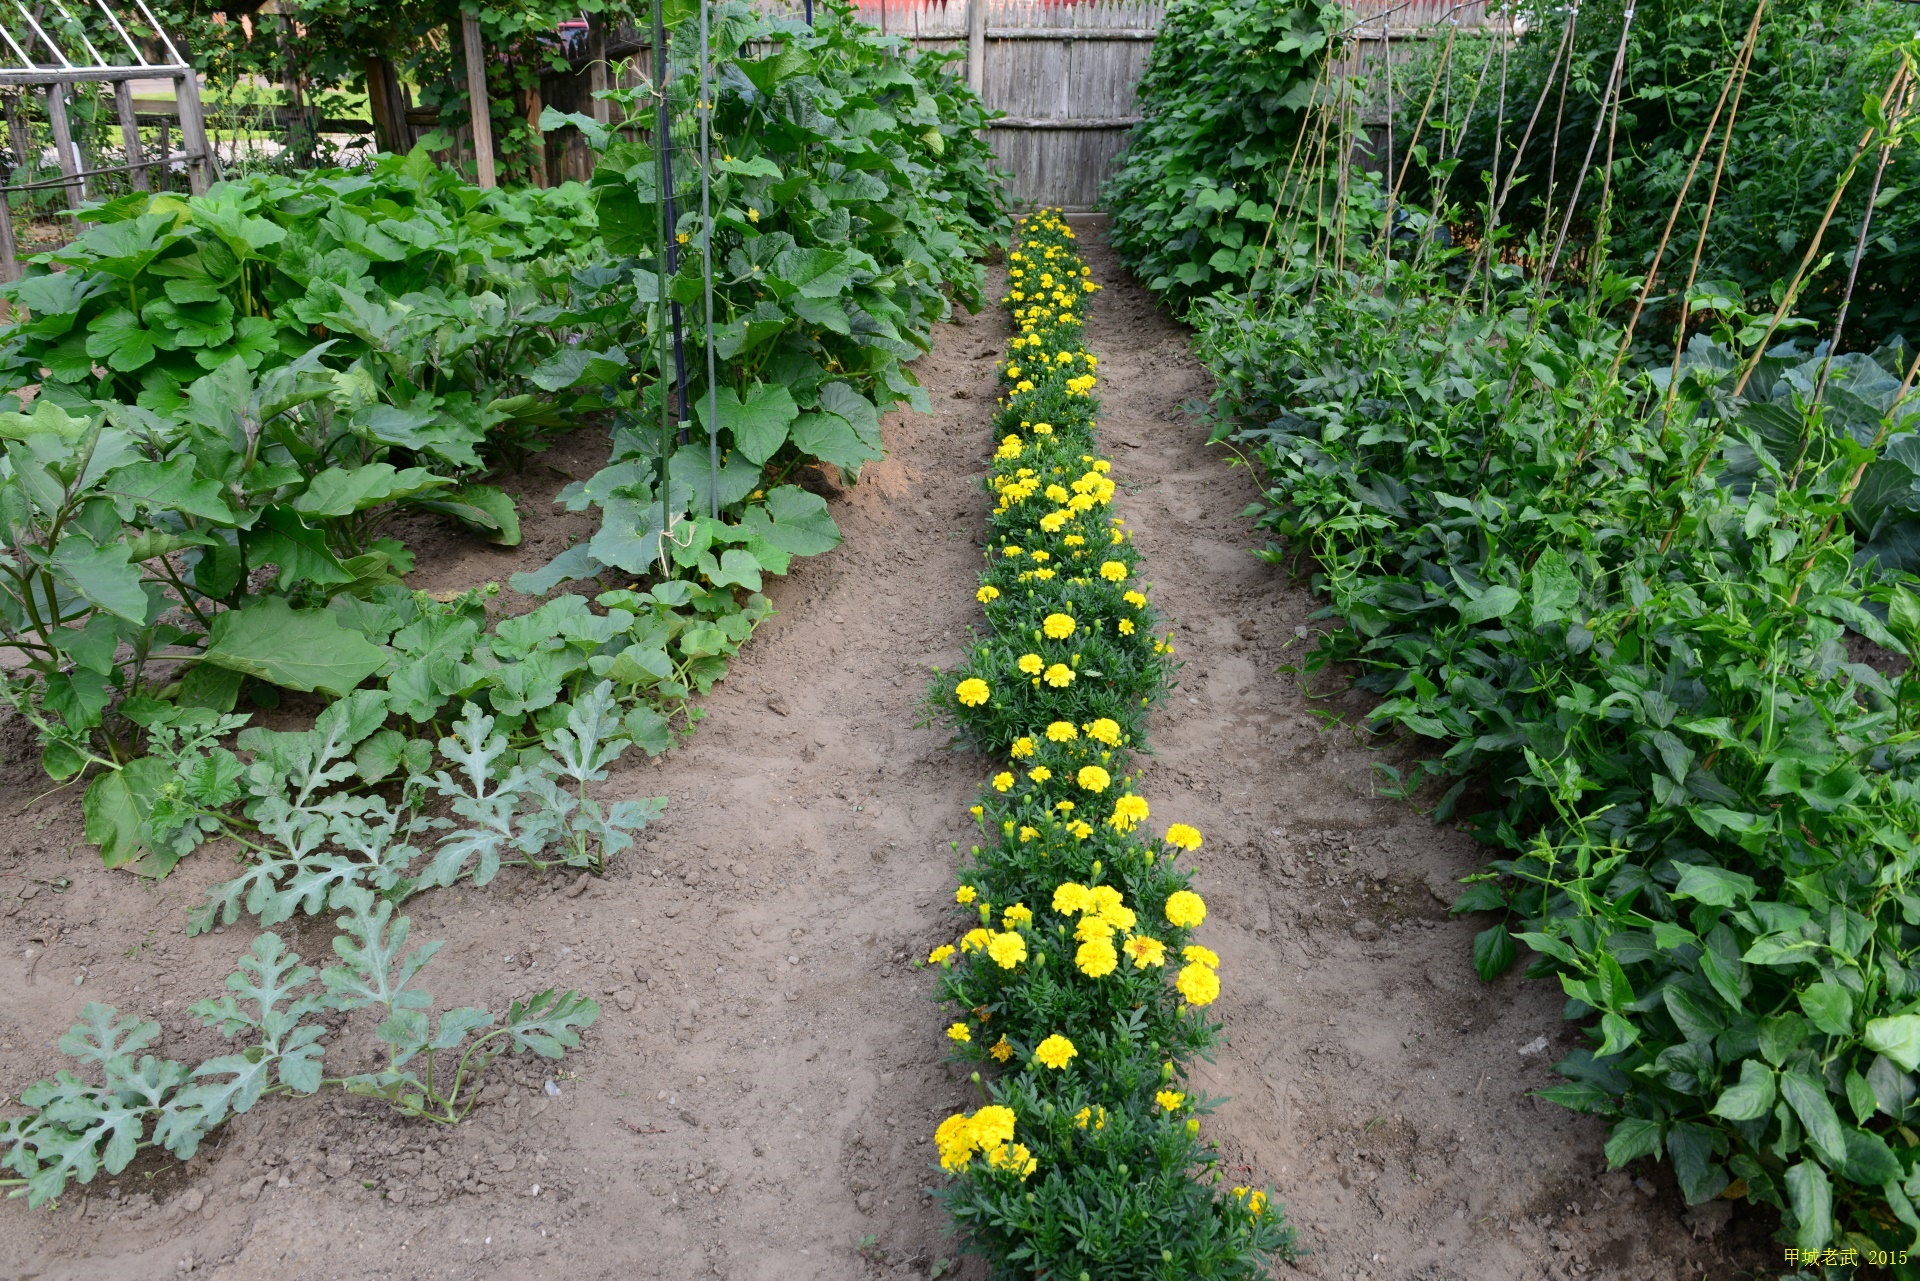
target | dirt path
[{"x": 757, "y": 1098}]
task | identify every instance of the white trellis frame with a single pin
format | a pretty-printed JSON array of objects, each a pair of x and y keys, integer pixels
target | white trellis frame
[{"x": 31, "y": 58}]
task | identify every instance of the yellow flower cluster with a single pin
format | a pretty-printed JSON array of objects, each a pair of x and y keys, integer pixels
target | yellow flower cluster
[
  {"x": 989, "y": 1133},
  {"x": 1067, "y": 776}
]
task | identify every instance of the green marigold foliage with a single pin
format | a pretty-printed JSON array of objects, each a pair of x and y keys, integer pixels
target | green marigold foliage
[
  {"x": 1077, "y": 982},
  {"x": 1223, "y": 99}
]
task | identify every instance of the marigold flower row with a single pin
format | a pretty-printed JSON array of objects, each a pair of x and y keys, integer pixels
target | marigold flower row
[{"x": 1077, "y": 987}]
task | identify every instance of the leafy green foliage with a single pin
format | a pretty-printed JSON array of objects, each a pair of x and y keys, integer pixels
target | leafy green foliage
[
  {"x": 76, "y": 1128},
  {"x": 1798, "y": 120},
  {"x": 1088, "y": 1158},
  {"x": 851, "y": 196},
  {"x": 1630, "y": 611},
  {"x": 1193, "y": 198}
]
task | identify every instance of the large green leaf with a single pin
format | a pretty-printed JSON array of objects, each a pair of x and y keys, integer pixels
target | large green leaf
[
  {"x": 832, "y": 439},
  {"x": 759, "y": 422},
  {"x": 483, "y": 508},
  {"x": 341, "y": 491},
  {"x": 281, "y": 538},
  {"x": 794, "y": 520},
  {"x": 103, "y": 575},
  {"x": 296, "y": 649},
  {"x": 812, "y": 273},
  {"x": 118, "y": 338},
  {"x": 117, "y": 804}
]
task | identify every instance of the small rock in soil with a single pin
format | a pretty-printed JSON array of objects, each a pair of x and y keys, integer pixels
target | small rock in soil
[
  {"x": 1366, "y": 931},
  {"x": 192, "y": 1199},
  {"x": 580, "y": 884},
  {"x": 625, "y": 998},
  {"x": 778, "y": 706}
]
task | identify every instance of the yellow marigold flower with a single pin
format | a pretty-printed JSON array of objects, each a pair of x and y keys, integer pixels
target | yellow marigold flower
[
  {"x": 1121, "y": 918},
  {"x": 1145, "y": 951},
  {"x": 1092, "y": 778},
  {"x": 1100, "y": 465},
  {"x": 1113, "y": 571},
  {"x": 972, "y": 692},
  {"x": 1185, "y": 909},
  {"x": 1170, "y": 1099},
  {"x": 1013, "y": 371},
  {"x": 954, "y": 1138},
  {"x": 1117, "y": 538},
  {"x": 1031, "y": 664},
  {"x": 1094, "y": 1116},
  {"x": 1002, "y": 1049},
  {"x": 1182, "y": 837},
  {"x": 987, "y": 593},
  {"x": 1256, "y": 1199},
  {"x": 1092, "y": 926},
  {"x": 1027, "y": 384},
  {"x": 993, "y": 1126},
  {"x": 1105, "y": 730},
  {"x": 1015, "y": 1157},
  {"x": 1022, "y": 748},
  {"x": 1135, "y": 599},
  {"x": 1198, "y": 984},
  {"x": 1096, "y": 958},
  {"x": 1052, "y": 521},
  {"x": 1126, "y": 627},
  {"x": 1028, "y": 833},
  {"x": 1065, "y": 807},
  {"x": 1039, "y": 773},
  {"x": 958, "y": 1032},
  {"x": 1041, "y": 557},
  {"x": 1057, "y": 626},
  {"x": 1080, "y": 828},
  {"x": 1011, "y": 550},
  {"x": 1127, "y": 811},
  {"x": 1103, "y": 899},
  {"x": 1059, "y": 676},
  {"x": 965, "y": 894},
  {"x": 975, "y": 939},
  {"x": 1073, "y": 540},
  {"x": 1018, "y": 914},
  {"x": 940, "y": 955},
  {"x": 1055, "y": 1051},
  {"x": 1201, "y": 955},
  {"x": 1056, "y": 493},
  {"x": 976, "y": 811},
  {"x": 1043, "y": 428},
  {"x": 1043, "y": 574},
  {"x": 1062, "y": 732},
  {"x": 1007, "y": 950},
  {"x": 1070, "y": 897},
  {"x": 1003, "y": 781}
]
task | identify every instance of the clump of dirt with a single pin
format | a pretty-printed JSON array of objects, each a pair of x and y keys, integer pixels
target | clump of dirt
[{"x": 757, "y": 1098}]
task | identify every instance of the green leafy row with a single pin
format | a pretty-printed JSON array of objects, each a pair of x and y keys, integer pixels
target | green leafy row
[
  {"x": 1085, "y": 1158},
  {"x": 1632, "y": 614}
]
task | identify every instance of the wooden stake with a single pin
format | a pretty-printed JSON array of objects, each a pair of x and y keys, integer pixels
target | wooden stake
[
  {"x": 130, "y": 133},
  {"x": 477, "y": 104},
  {"x": 63, "y": 144},
  {"x": 193, "y": 134},
  {"x": 977, "y": 46},
  {"x": 597, "y": 68}
]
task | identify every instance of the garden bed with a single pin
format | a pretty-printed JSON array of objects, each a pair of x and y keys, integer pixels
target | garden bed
[{"x": 1374, "y": 1083}]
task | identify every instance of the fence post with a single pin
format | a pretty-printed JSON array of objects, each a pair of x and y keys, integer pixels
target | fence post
[
  {"x": 977, "y": 46},
  {"x": 63, "y": 144},
  {"x": 130, "y": 133},
  {"x": 477, "y": 105},
  {"x": 9, "y": 250},
  {"x": 597, "y": 68},
  {"x": 193, "y": 133}
]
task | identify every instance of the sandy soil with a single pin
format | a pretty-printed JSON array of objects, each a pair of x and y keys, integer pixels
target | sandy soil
[{"x": 757, "y": 1098}]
